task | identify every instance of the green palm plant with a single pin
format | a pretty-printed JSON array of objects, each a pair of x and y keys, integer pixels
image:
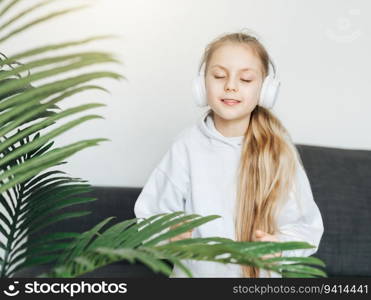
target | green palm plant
[
  {"x": 32, "y": 196},
  {"x": 30, "y": 199},
  {"x": 144, "y": 242}
]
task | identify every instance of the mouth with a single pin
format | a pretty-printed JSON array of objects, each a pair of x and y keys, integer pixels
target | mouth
[{"x": 230, "y": 102}]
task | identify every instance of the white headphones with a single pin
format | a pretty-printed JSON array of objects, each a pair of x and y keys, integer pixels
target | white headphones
[{"x": 268, "y": 92}]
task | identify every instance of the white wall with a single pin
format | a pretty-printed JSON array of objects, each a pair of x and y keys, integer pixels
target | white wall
[{"x": 321, "y": 49}]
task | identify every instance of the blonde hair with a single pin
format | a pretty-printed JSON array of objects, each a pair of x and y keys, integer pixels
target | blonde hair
[{"x": 268, "y": 159}]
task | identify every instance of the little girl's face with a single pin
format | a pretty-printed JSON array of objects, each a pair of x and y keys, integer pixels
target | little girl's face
[{"x": 234, "y": 72}]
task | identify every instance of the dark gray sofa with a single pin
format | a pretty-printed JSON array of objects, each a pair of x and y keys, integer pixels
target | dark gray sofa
[{"x": 341, "y": 185}]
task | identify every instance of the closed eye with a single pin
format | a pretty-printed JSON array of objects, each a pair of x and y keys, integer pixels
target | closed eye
[{"x": 241, "y": 79}]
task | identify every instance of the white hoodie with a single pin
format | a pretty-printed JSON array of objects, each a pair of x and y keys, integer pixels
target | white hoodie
[{"x": 198, "y": 175}]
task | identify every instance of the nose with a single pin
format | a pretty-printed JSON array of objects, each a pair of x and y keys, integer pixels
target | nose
[{"x": 230, "y": 85}]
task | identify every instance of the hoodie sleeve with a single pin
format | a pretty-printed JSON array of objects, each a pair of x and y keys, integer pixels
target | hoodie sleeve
[
  {"x": 300, "y": 219},
  {"x": 167, "y": 187}
]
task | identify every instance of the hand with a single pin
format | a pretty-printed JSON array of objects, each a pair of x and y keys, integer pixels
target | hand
[
  {"x": 182, "y": 236},
  {"x": 263, "y": 236}
]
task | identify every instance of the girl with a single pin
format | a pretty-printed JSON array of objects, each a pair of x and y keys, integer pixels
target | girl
[{"x": 238, "y": 162}]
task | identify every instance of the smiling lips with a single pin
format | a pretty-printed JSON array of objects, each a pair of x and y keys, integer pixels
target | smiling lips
[{"x": 230, "y": 102}]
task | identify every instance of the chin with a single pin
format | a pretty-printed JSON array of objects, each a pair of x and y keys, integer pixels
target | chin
[{"x": 227, "y": 115}]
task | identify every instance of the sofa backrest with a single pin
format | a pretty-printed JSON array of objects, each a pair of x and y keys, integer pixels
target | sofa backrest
[{"x": 341, "y": 185}]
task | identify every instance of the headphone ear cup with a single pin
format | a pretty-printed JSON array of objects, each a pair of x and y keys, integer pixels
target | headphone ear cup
[
  {"x": 269, "y": 92},
  {"x": 199, "y": 91}
]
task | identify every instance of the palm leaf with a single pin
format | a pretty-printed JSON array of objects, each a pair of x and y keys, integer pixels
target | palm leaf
[
  {"x": 31, "y": 197},
  {"x": 4, "y": 69},
  {"x": 9, "y": 86},
  {"x": 83, "y": 56},
  {"x": 22, "y": 214},
  {"x": 37, "y": 165},
  {"x": 95, "y": 249},
  {"x": 52, "y": 47},
  {"x": 51, "y": 134},
  {"x": 38, "y": 21},
  {"x": 46, "y": 90},
  {"x": 229, "y": 251},
  {"x": 33, "y": 114},
  {"x": 24, "y": 13},
  {"x": 8, "y": 7}
]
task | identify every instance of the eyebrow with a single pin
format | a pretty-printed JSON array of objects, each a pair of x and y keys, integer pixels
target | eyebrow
[{"x": 244, "y": 69}]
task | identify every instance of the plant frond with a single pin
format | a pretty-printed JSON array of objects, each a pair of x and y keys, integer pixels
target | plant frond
[
  {"x": 8, "y": 7},
  {"x": 39, "y": 164},
  {"x": 24, "y": 13},
  {"x": 88, "y": 252},
  {"x": 52, "y": 47},
  {"x": 40, "y": 20}
]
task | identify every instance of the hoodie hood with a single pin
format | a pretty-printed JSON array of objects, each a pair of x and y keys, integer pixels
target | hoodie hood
[{"x": 207, "y": 127}]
